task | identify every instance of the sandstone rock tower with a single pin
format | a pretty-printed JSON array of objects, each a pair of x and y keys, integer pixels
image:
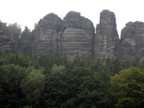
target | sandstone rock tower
[
  {"x": 75, "y": 36},
  {"x": 78, "y": 35},
  {"x": 46, "y": 35},
  {"x": 132, "y": 40},
  {"x": 69, "y": 37},
  {"x": 107, "y": 39}
]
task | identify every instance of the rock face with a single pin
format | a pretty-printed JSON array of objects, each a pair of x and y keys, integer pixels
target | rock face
[
  {"x": 6, "y": 44},
  {"x": 46, "y": 35},
  {"x": 107, "y": 39},
  {"x": 75, "y": 35},
  {"x": 70, "y": 37},
  {"x": 132, "y": 40},
  {"x": 77, "y": 39}
]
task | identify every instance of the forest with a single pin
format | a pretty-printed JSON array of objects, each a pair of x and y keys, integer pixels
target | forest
[{"x": 53, "y": 81}]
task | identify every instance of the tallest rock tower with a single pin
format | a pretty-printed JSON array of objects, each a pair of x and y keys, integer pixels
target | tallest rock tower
[{"x": 107, "y": 39}]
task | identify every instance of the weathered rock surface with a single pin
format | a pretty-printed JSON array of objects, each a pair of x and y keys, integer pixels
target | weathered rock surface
[
  {"x": 77, "y": 39},
  {"x": 70, "y": 37},
  {"x": 75, "y": 35},
  {"x": 132, "y": 40},
  {"x": 107, "y": 39},
  {"x": 46, "y": 34},
  {"x": 6, "y": 44}
]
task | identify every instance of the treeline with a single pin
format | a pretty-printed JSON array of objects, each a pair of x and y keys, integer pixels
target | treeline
[
  {"x": 22, "y": 38},
  {"x": 12, "y": 31},
  {"x": 51, "y": 81}
]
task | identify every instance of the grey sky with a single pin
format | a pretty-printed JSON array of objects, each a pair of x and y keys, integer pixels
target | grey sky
[{"x": 28, "y": 12}]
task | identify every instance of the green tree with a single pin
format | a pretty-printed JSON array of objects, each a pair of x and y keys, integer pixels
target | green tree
[
  {"x": 3, "y": 28},
  {"x": 103, "y": 75},
  {"x": 33, "y": 86},
  {"x": 128, "y": 88},
  {"x": 25, "y": 41},
  {"x": 48, "y": 60},
  {"x": 13, "y": 69},
  {"x": 56, "y": 69},
  {"x": 14, "y": 31},
  {"x": 17, "y": 59},
  {"x": 70, "y": 88},
  {"x": 10, "y": 91}
]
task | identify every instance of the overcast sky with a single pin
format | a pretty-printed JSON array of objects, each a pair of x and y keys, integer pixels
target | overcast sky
[{"x": 29, "y": 12}]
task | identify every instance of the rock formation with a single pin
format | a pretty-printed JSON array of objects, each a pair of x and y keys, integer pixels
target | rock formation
[
  {"x": 6, "y": 44},
  {"x": 75, "y": 35},
  {"x": 132, "y": 40},
  {"x": 72, "y": 36},
  {"x": 107, "y": 39},
  {"x": 77, "y": 39},
  {"x": 46, "y": 35}
]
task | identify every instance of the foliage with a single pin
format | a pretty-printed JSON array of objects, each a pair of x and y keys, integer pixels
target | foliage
[
  {"x": 48, "y": 60},
  {"x": 10, "y": 90},
  {"x": 33, "y": 86},
  {"x": 25, "y": 40},
  {"x": 14, "y": 31},
  {"x": 11, "y": 30},
  {"x": 17, "y": 59},
  {"x": 128, "y": 88},
  {"x": 13, "y": 69},
  {"x": 52, "y": 81},
  {"x": 69, "y": 88},
  {"x": 3, "y": 27},
  {"x": 56, "y": 69}
]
